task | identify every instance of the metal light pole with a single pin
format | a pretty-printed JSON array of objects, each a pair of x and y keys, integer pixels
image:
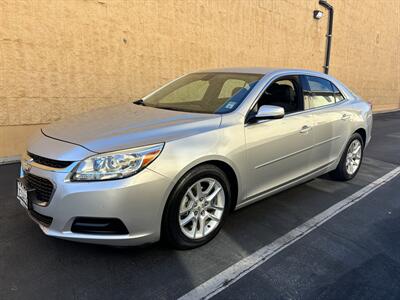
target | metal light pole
[{"x": 318, "y": 15}]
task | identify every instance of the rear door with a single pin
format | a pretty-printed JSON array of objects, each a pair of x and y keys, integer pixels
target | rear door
[{"x": 331, "y": 119}]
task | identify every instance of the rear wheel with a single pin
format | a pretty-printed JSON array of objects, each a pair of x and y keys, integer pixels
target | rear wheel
[
  {"x": 197, "y": 207},
  {"x": 351, "y": 159}
]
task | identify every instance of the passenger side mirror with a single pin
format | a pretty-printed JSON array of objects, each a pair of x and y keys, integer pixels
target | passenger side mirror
[{"x": 270, "y": 112}]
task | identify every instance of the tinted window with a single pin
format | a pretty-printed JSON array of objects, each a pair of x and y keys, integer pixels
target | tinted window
[{"x": 320, "y": 93}]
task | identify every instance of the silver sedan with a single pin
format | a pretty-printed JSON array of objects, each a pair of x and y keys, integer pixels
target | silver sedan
[{"x": 174, "y": 164}]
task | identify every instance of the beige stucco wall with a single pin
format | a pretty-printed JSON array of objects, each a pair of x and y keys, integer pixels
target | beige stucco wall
[{"x": 61, "y": 57}]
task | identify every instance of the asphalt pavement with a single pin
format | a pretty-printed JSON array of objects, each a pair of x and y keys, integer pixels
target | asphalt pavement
[{"x": 354, "y": 255}]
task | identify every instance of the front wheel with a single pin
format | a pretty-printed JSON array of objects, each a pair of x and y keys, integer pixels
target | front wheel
[
  {"x": 197, "y": 207},
  {"x": 351, "y": 159}
]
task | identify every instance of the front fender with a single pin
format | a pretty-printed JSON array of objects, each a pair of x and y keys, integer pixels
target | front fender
[{"x": 180, "y": 156}]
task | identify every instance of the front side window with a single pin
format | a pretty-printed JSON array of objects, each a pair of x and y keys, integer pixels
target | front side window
[
  {"x": 205, "y": 92},
  {"x": 320, "y": 92},
  {"x": 283, "y": 92}
]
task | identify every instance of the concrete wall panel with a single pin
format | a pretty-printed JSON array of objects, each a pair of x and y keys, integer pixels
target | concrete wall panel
[{"x": 61, "y": 57}]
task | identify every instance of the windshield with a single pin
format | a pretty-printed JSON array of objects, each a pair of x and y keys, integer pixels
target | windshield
[{"x": 204, "y": 92}]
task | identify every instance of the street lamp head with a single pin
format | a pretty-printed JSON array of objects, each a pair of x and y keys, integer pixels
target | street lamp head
[{"x": 318, "y": 14}]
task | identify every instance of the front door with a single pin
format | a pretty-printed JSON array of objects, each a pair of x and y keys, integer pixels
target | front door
[{"x": 279, "y": 151}]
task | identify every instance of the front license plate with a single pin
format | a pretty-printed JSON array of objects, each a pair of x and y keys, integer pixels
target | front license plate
[{"x": 22, "y": 194}]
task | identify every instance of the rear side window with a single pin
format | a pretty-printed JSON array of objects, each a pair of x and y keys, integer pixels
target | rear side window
[
  {"x": 338, "y": 95},
  {"x": 320, "y": 92}
]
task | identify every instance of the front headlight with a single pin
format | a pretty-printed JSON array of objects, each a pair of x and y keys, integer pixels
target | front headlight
[{"x": 115, "y": 165}]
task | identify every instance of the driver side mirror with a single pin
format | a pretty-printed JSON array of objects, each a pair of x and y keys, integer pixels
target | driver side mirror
[{"x": 270, "y": 112}]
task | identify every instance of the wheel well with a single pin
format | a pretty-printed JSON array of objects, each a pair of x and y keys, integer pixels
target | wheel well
[
  {"x": 363, "y": 133},
  {"x": 230, "y": 173}
]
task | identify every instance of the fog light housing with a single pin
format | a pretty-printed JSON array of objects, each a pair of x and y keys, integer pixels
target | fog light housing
[{"x": 89, "y": 225}]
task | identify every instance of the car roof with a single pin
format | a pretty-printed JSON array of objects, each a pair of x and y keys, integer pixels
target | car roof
[{"x": 257, "y": 70}]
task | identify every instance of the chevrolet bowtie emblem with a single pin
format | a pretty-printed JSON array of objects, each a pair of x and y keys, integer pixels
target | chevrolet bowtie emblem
[{"x": 26, "y": 164}]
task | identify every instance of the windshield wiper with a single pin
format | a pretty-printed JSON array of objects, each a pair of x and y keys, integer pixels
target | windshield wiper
[{"x": 139, "y": 102}]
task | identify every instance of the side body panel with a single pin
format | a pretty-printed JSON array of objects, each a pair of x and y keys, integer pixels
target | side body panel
[
  {"x": 277, "y": 152},
  {"x": 332, "y": 129}
]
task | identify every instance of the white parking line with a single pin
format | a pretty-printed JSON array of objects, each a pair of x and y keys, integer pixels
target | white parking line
[{"x": 232, "y": 274}]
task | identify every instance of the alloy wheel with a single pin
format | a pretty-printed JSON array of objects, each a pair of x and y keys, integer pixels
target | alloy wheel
[
  {"x": 201, "y": 208},
  {"x": 353, "y": 158}
]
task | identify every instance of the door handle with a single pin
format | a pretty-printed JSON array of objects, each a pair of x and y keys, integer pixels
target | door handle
[
  {"x": 305, "y": 129},
  {"x": 345, "y": 117}
]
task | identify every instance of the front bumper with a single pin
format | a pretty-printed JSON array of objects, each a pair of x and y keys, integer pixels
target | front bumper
[{"x": 137, "y": 201}]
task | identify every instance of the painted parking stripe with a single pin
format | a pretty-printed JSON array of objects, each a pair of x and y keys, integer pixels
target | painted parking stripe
[{"x": 232, "y": 274}]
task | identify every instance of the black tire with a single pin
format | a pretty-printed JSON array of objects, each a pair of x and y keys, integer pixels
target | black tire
[
  {"x": 341, "y": 173},
  {"x": 171, "y": 231}
]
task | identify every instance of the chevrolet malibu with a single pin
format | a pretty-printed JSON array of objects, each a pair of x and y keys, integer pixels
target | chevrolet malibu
[{"x": 174, "y": 164}]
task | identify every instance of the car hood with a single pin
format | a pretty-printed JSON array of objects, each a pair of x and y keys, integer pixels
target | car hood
[{"x": 127, "y": 126}]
